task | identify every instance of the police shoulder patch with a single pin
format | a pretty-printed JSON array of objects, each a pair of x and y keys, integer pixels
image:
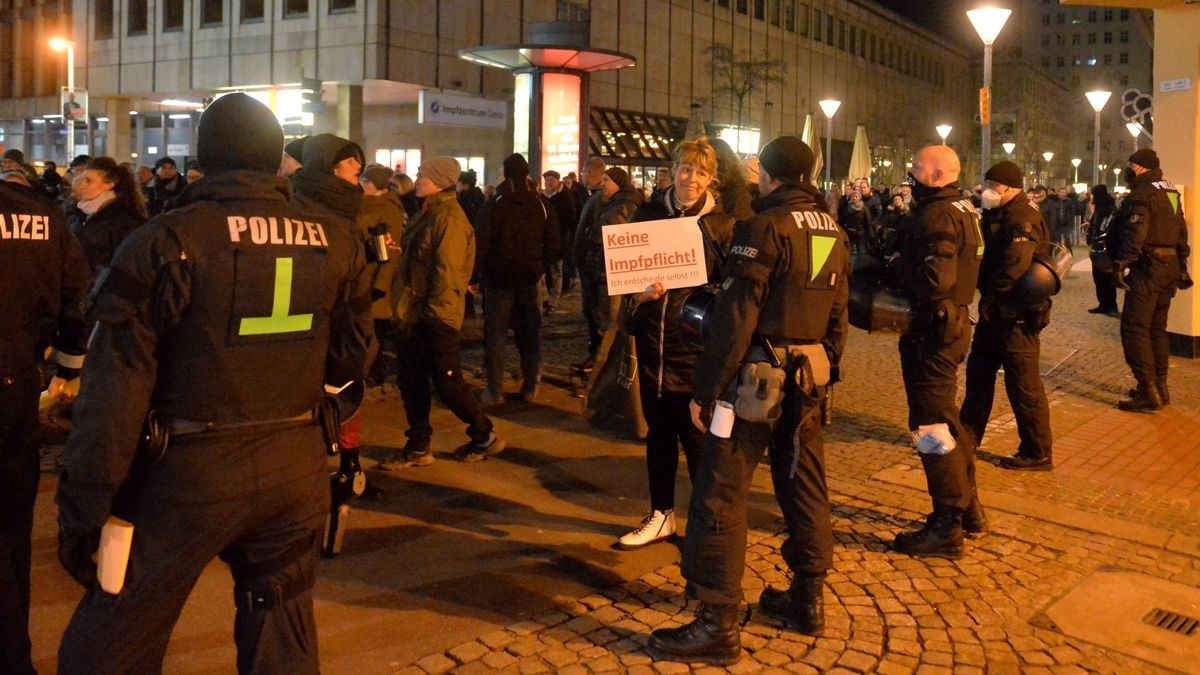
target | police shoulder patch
[{"x": 744, "y": 251}]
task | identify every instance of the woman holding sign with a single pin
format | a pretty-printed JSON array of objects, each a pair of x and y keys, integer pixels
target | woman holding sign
[{"x": 665, "y": 360}]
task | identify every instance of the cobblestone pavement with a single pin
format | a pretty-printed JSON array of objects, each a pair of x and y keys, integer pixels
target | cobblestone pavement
[
  {"x": 1124, "y": 495},
  {"x": 506, "y": 565}
]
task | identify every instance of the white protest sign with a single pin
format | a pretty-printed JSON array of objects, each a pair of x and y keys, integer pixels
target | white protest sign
[{"x": 669, "y": 251}]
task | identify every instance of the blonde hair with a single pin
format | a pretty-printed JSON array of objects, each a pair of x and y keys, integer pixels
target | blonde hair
[{"x": 698, "y": 152}]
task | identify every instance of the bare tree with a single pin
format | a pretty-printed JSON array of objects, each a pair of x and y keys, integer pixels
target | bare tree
[{"x": 739, "y": 75}]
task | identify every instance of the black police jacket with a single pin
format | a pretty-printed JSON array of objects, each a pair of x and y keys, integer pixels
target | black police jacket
[
  {"x": 43, "y": 277},
  {"x": 234, "y": 308},
  {"x": 665, "y": 359},
  {"x": 940, "y": 250},
  {"x": 1011, "y": 234},
  {"x": 1150, "y": 217},
  {"x": 786, "y": 279}
]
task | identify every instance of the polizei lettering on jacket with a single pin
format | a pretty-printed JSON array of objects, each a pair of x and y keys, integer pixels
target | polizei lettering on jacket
[
  {"x": 814, "y": 220},
  {"x": 24, "y": 226},
  {"x": 657, "y": 261},
  {"x": 272, "y": 230}
]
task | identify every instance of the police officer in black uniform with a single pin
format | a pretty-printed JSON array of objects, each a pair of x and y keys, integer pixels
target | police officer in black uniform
[
  {"x": 783, "y": 305},
  {"x": 1148, "y": 237},
  {"x": 43, "y": 275},
  {"x": 1007, "y": 334},
  {"x": 940, "y": 253},
  {"x": 223, "y": 317}
]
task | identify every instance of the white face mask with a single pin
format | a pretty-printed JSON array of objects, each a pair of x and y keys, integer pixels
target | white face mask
[{"x": 990, "y": 198}]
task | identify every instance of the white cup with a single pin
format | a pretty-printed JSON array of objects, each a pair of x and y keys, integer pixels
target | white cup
[{"x": 722, "y": 420}]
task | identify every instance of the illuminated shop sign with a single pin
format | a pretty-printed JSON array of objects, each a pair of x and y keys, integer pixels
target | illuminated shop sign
[{"x": 560, "y": 122}]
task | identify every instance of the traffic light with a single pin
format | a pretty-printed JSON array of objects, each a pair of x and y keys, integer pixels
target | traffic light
[{"x": 310, "y": 89}]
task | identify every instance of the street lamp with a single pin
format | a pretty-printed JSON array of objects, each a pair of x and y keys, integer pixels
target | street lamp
[
  {"x": 1117, "y": 178},
  {"x": 1047, "y": 156},
  {"x": 988, "y": 21},
  {"x": 1097, "y": 99},
  {"x": 1134, "y": 130},
  {"x": 61, "y": 44},
  {"x": 1075, "y": 162},
  {"x": 1008, "y": 149},
  {"x": 944, "y": 130},
  {"x": 830, "y": 108}
]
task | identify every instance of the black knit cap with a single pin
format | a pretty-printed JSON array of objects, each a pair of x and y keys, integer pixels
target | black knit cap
[
  {"x": 238, "y": 132},
  {"x": 1145, "y": 158},
  {"x": 618, "y": 175},
  {"x": 515, "y": 167},
  {"x": 295, "y": 149},
  {"x": 1006, "y": 173},
  {"x": 787, "y": 159}
]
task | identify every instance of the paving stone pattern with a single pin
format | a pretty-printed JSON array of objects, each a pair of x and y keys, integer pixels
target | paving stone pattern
[{"x": 888, "y": 613}]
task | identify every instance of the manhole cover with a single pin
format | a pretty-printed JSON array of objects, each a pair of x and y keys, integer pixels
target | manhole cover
[{"x": 1134, "y": 614}]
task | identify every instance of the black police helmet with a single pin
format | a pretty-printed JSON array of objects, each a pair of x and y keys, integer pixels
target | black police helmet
[{"x": 1045, "y": 276}]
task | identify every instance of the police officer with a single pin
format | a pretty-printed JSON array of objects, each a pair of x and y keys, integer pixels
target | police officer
[
  {"x": 224, "y": 317},
  {"x": 783, "y": 304},
  {"x": 42, "y": 279},
  {"x": 1007, "y": 334},
  {"x": 1148, "y": 237},
  {"x": 940, "y": 253}
]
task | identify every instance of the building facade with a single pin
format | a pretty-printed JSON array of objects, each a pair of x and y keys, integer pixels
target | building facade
[{"x": 148, "y": 65}]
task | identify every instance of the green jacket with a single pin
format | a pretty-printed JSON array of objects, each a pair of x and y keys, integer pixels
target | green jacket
[
  {"x": 435, "y": 266},
  {"x": 382, "y": 214}
]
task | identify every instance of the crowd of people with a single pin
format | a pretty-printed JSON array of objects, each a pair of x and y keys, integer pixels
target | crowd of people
[{"x": 305, "y": 267}]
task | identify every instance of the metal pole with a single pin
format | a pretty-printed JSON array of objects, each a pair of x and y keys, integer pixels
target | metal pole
[
  {"x": 987, "y": 127},
  {"x": 828, "y": 152},
  {"x": 71, "y": 90},
  {"x": 1096, "y": 154}
]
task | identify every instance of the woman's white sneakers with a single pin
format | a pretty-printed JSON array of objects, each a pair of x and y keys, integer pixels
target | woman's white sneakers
[{"x": 656, "y": 526}]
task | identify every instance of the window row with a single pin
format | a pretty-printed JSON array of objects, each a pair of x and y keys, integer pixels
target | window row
[{"x": 212, "y": 13}]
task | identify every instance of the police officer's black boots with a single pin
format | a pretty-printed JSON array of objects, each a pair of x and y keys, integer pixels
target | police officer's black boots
[
  {"x": 940, "y": 537},
  {"x": 1163, "y": 391},
  {"x": 801, "y": 605},
  {"x": 1144, "y": 399},
  {"x": 974, "y": 520},
  {"x": 713, "y": 637}
]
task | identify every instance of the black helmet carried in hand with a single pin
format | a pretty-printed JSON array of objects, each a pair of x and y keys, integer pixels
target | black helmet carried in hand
[{"x": 1045, "y": 276}]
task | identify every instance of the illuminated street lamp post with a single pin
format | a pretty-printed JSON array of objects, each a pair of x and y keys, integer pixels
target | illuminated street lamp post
[
  {"x": 1075, "y": 162},
  {"x": 1008, "y": 149},
  {"x": 988, "y": 21},
  {"x": 1116, "y": 178},
  {"x": 1135, "y": 131},
  {"x": 829, "y": 107},
  {"x": 1097, "y": 99},
  {"x": 61, "y": 44},
  {"x": 1047, "y": 156},
  {"x": 944, "y": 130}
]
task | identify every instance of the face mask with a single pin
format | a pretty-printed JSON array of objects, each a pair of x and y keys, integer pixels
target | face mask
[
  {"x": 990, "y": 198},
  {"x": 920, "y": 190},
  {"x": 1129, "y": 174}
]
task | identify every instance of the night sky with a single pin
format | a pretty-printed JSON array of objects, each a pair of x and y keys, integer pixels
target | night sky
[{"x": 946, "y": 17}]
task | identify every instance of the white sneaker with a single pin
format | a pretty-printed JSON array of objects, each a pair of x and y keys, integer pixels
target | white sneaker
[{"x": 656, "y": 526}]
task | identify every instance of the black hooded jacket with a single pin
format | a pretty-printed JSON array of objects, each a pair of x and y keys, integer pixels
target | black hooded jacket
[
  {"x": 101, "y": 233},
  {"x": 317, "y": 190}
]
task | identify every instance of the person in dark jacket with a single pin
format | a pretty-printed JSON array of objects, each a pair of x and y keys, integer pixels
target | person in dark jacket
[
  {"x": 1103, "y": 208},
  {"x": 1007, "y": 335},
  {"x": 517, "y": 238},
  {"x": 940, "y": 254},
  {"x": 381, "y": 216},
  {"x": 1148, "y": 237},
  {"x": 470, "y": 197},
  {"x": 855, "y": 218},
  {"x": 560, "y": 272},
  {"x": 191, "y": 325},
  {"x": 782, "y": 318},
  {"x": 583, "y": 248},
  {"x": 109, "y": 208},
  {"x": 51, "y": 181},
  {"x": 43, "y": 277},
  {"x": 168, "y": 184},
  {"x": 618, "y": 199},
  {"x": 665, "y": 360}
]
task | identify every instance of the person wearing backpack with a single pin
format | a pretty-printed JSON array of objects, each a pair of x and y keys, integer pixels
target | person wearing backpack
[{"x": 518, "y": 237}]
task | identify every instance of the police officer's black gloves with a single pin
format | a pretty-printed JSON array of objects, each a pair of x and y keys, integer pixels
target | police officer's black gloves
[
  {"x": 1185, "y": 279},
  {"x": 75, "y": 551},
  {"x": 1118, "y": 275}
]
